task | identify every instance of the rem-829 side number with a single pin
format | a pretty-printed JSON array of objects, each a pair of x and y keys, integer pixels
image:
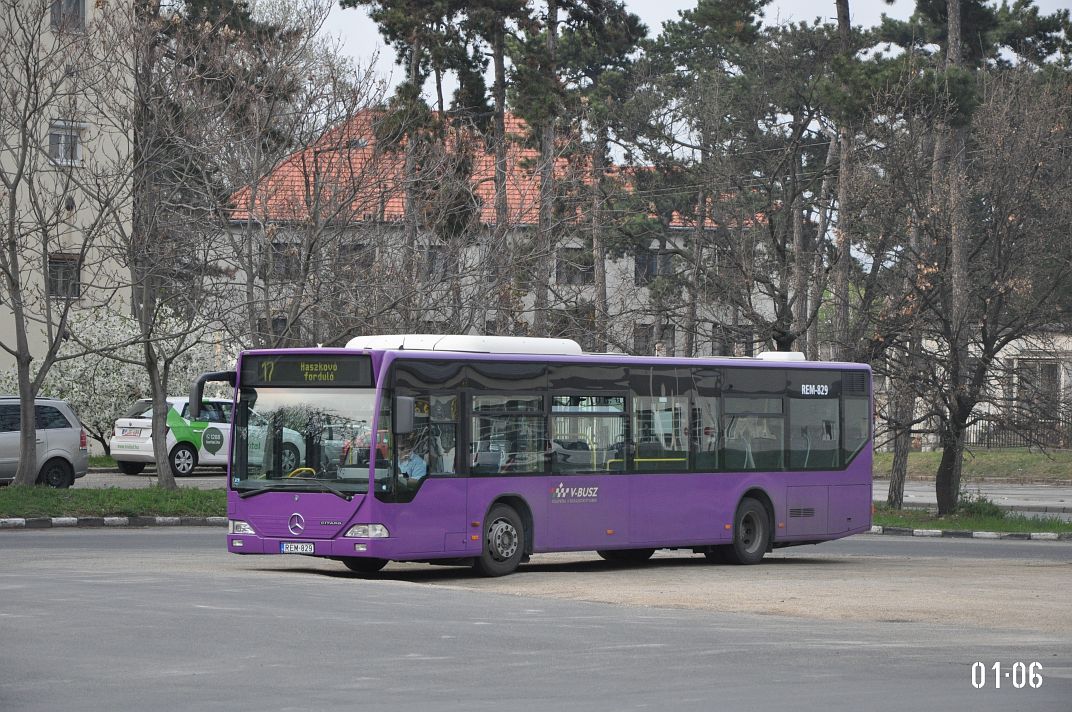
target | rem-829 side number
[{"x": 1019, "y": 674}]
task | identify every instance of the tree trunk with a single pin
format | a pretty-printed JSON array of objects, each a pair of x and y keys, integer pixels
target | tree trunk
[
  {"x": 904, "y": 406},
  {"x": 692, "y": 307},
  {"x": 599, "y": 264},
  {"x": 409, "y": 257},
  {"x": 545, "y": 250},
  {"x": 947, "y": 479},
  {"x": 842, "y": 267},
  {"x": 815, "y": 289},
  {"x": 799, "y": 298},
  {"x": 904, "y": 401},
  {"x": 504, "y": 316},
  {"x": 158, "y": 391}
]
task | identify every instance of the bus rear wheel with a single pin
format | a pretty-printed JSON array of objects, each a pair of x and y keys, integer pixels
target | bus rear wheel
[
  {"x": 626, "y": 556},
  {"x": 364, "y": 565},
  {"x": 751, "y": 533},
  {"x": 504, "y": 542}
]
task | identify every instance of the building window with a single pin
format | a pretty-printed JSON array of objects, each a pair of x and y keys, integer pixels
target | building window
[
  {"x": 286, "y": 260},
  {"x": 435, "y": 261},
  {"x": 274, "y": 328},
  {"x": 573, "y": 265},
  {"x": 64, "y": 276},
  {"x": 577, "y": 322},
  {"x": 65, "y": 143},
  {"x": 1038, "y": 387},
  {"x": 667, "y": 338},
  {"x": 355, "y": 254},
  {"x": 643, "y": 339},
  {"x": 69, "y": 15},
  {"x": 650, "y": 264}
]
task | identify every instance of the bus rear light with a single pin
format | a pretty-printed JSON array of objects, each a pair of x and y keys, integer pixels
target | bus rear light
[
  {"x": 368, "y": 531},
  {"x": 237, "y": 526},
  {"x": 83, "y": 443}
]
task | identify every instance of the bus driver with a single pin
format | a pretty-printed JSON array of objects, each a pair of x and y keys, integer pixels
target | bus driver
[{"x": 410, "y": 464}]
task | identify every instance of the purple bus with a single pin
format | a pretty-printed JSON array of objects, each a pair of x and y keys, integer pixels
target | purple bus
[{"x": 484, "y": 450}]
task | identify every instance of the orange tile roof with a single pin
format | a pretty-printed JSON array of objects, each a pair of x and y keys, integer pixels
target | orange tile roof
[{"x": 362, "y": 180}]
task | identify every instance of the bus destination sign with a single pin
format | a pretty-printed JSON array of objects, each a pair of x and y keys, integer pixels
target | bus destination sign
[{"x": 307, "y": 370}]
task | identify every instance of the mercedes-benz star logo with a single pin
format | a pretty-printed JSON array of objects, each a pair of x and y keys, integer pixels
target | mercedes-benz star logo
[{"x": 296, "y": 525}]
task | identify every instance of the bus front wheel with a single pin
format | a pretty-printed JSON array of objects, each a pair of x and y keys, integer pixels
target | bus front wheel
[
  {"x": 504, "y": 542},
  {"x": 751, "y": 533}
]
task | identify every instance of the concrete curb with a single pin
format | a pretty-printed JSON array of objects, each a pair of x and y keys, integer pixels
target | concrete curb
[
  {"x": 964, "y": 534},
  {"x": 110, "y": 522}
]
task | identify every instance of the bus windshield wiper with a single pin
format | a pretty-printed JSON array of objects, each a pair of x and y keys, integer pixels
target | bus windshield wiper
[{"x": 323, "y": 487}]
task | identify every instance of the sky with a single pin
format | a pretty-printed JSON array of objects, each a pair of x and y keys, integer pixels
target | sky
[{"x": 362, "y": 41}]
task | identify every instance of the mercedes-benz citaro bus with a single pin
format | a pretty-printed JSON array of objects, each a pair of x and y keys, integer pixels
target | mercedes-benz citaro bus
[{"x": 484, "y": 449}]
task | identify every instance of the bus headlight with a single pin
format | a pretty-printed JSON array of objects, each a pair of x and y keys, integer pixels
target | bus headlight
[
  {"x": 236, "y": 526},
  {"x": 368, "y": 531}
]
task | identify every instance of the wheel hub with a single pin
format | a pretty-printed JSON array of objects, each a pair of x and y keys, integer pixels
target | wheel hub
[{"x": 502, "y": 540}]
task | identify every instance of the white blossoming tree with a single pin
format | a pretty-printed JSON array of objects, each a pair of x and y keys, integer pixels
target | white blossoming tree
[{"x": 100, "y": 370}]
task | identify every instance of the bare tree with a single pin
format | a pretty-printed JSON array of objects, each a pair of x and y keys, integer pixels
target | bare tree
[{"x": 65, "y": 175}]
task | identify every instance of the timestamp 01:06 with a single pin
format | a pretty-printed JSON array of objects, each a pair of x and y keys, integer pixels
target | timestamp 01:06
[{"x": 1019, "y": 675}]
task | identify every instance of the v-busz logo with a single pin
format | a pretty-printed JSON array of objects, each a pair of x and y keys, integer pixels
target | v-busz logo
[{"x": 572, "y": 495}]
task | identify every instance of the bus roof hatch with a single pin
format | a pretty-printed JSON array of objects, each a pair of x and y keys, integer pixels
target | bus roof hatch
[{"x": 467, "y": 343}]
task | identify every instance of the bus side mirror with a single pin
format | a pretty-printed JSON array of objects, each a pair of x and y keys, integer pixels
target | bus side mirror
[
  {"x": 403, "y": 414},
  {"x": 198, "y": 389}
]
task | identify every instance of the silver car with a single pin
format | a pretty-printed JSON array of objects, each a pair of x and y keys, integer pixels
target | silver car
[{"x": 62, "y": 448}]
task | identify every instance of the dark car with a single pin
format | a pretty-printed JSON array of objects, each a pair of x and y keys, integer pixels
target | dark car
[{"x": 62, "y": 450}]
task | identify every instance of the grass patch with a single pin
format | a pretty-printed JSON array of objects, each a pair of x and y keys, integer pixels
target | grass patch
[
  {"x": 102, "y": 461},
  {"x": 22, "y": 501},
  {"x": 1012, "y": 522},
  {"x": 1021, "y": 465}
]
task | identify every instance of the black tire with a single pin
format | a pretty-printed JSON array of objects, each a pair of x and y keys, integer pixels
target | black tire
[
  {"x": 751, "y": 533},
  {"x": 183, "y": 459},
  {"x": 57, "y": 474},
  {"x": 626, "y": 556},
  {"x": 363, "y": 565},
  {"x": 504, "y": 542},
  {"x": 130, "y": 468},
  {"x": 289, "y": 458}
]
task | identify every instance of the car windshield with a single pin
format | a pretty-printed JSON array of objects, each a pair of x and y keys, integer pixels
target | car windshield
[{"x": 303, "y": 438}]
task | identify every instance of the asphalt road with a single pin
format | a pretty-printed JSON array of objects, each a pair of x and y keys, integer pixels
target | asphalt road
[{"x": 164, "y": 619}]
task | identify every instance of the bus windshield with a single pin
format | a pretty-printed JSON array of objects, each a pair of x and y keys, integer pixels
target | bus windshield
[{"x": 317, "y": 439}]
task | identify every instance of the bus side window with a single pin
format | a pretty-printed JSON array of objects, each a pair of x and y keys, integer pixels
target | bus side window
[
  {"x": 508, "y": 435},
  {"x": 755, "y": 433},
  {"x": 434, "y": 437}
]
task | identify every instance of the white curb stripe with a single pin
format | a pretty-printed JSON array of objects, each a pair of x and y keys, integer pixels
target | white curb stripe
[
  {"x": 1047, "y": 536},
  {"x": 926, "y": 532},
  {"x": 65, "y": 521},
  {"x": 13, "y": 523},
  {"x": 875, "y": 529},
  {"x": 168, "y": 521},
  {"x": 116, "y": 521},
  {"x": 986, "y": 535}
]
